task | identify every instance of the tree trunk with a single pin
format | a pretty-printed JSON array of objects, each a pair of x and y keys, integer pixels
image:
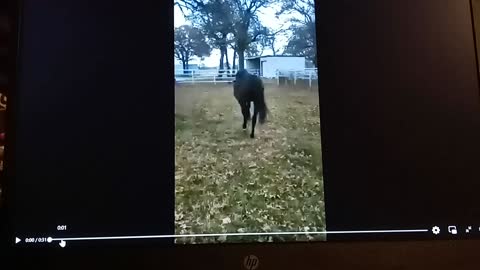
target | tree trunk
[
  {"x": 241, "y": 59},
  {"x": 220, "y": 66},
  {"x": 221, "y": 61},
  {"x": 184, "y": 65},
  {"x": 226, "y": 57},
  {"x": 225, "y": 49},
  {"x": 234, "y": 58}
]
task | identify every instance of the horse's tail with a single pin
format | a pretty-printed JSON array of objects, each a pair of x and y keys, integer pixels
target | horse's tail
[{"x": 262, "y": 109}]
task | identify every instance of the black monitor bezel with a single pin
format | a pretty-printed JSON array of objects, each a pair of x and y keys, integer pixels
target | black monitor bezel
[{"x": 374, "y": 254}]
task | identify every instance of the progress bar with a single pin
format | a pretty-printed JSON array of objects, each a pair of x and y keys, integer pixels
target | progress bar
[{"x": 230, "y": 234}]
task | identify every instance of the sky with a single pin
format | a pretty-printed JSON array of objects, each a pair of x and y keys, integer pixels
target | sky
[{"x": 266, "y": 16}]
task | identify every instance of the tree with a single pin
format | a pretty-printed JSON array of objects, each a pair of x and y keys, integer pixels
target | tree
[
  {"x": 189, "y": 42},
  {"x": 303, "y": 41},
  {"x": 255, "y": 49},
  {"x": 305, "y": 8},
  {"x": 214, "y": 17},
  {"x": 247, "y": 27},
  {"x": 270, "y": 38},
  {"x": 219, "y": 18}
]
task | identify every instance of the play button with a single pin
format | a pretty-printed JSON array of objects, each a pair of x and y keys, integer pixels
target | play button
[{"x": 17, "y": 240}]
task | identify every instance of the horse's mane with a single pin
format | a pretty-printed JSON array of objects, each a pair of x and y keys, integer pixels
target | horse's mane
[{"x": 243, "y": 73}]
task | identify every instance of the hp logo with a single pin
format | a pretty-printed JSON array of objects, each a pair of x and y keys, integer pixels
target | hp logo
[{"x": 251, "y": 262}]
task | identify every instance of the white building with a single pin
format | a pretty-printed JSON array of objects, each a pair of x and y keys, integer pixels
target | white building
[{"x": 268, "y": 65}]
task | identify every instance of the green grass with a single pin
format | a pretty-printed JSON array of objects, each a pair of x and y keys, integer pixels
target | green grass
[{"x": 227, "y": 182}]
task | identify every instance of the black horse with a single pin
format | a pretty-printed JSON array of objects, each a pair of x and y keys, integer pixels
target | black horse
[{"x": 249, "y": 88}]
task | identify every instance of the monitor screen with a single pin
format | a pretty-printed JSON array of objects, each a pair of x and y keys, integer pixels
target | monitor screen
[{"x": 243, "y": 121}]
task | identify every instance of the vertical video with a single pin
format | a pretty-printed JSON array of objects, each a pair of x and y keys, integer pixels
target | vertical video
[{"x": 248, "y": 159}]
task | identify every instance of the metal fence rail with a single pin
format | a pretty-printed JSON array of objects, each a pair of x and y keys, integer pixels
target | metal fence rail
[
  {"x": 208, "y": 75},
  {"x": 309, "y": 74},
  {"x": 215, "y": 76}
]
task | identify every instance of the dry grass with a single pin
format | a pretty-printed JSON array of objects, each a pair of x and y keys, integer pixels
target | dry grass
[{"x": 227, "y": 182}]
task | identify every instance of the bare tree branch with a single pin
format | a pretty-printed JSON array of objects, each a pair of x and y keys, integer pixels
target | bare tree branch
[{"x": 189, "y": 42}]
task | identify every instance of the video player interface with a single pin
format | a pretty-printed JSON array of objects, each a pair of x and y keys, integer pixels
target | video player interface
[{"x": 241, "y": 121}]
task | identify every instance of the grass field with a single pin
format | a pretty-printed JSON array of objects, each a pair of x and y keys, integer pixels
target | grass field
[{"x": 227, "y": 182}]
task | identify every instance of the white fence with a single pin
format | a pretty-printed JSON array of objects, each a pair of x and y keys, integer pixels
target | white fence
[
  {"x": 309, "y": 74},
  {"x": 228, "y": 75},
  {"x": 208, "y": 75}
]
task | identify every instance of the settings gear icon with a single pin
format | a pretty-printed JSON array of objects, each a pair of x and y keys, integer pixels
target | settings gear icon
[{"x": 436, "y": 230}]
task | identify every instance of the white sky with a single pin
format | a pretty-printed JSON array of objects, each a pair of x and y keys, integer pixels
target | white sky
[{"x": 266, "y": 16}]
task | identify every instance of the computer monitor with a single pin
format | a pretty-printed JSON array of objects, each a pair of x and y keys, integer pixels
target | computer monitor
[{"x": 252, "y": 134}]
